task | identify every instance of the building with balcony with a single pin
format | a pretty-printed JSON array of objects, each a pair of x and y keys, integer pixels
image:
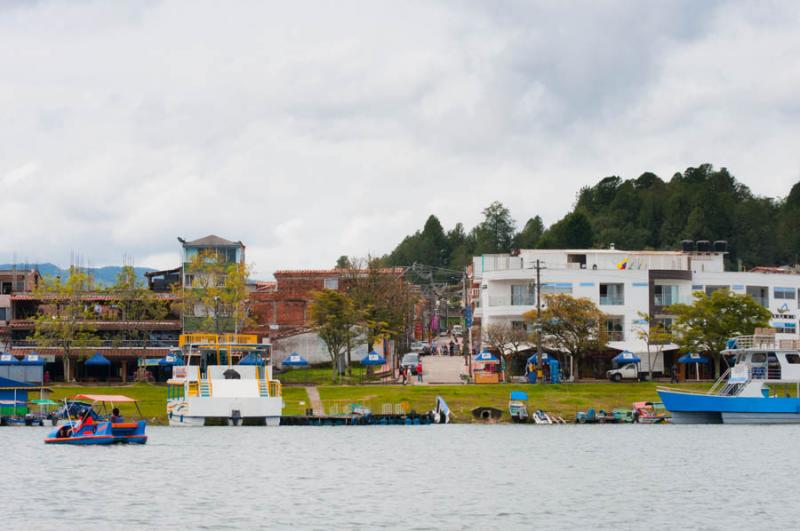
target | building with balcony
[{"x": 624, "y": 285}]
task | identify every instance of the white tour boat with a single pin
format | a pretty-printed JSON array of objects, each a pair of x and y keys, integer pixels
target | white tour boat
[{"x": 223, "y": 379}]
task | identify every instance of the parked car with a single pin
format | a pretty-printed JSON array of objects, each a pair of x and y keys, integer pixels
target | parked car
[
  {"x": 418, "y": 346},
  {"x": 629, "y": 371},
  {"x": 410, "y": 361},
  {"x": 458, "y": 330}
]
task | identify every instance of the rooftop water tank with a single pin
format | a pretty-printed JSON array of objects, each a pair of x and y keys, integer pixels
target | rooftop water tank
[
  {"x": 687, "y": 246},
  {"x": 720, "y": 246},
  {"x": 703, "y": 246}
]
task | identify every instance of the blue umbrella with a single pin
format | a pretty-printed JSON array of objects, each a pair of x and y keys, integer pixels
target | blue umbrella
[
  {"x": 535, "y": 358},
  {"x": 486, "y": 356},
  {"x": 252, "y": 359},
  {"x": 626, "y": 357},
  {"x": 691, "y": 357},
  {"x": 373, "y": 358},
  {"x": 8, "y": 359},
  {"x": 171, "y": 359},
  {"x": 295, "y": 360},
  {"x": 33, "y": 359}
]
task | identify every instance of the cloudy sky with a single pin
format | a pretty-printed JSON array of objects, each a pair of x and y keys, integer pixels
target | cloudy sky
[{"x": 310, "y": 130}]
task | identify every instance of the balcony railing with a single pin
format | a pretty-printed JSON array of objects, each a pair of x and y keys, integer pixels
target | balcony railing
[
  {"x": 612, "y": 301},
  {"x": 512, "y": 301},
  {"x": 616, "y": 335},
  {"x": 105, "y": 343}
]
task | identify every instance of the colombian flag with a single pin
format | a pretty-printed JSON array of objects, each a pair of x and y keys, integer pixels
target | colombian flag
[{"x": 623, "y": 264}]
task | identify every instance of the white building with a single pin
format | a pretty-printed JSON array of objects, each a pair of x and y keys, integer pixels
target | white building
[{"x": 623, "y": 284}]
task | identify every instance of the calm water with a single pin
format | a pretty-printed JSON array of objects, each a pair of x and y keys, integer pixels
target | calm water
[{"x": 446, "y": 477}]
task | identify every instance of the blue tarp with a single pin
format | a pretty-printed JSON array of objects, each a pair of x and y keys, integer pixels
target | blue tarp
[
  {"x": 7, "y": 382},
  {"x": 8, "y": 359},
  {"x": 519, "y": 395},
  {"x": 295, "y": 360},
  {"x": 97, "y": 359},
  {"x": 373, "y": 358},
  {"x": 33, "y": 359},
  {"x": 486, "y": 356},
  {"x": 626, "y": 357},
  {"x": 252, "y": 359},
  {"x": 693, "y": 358}
]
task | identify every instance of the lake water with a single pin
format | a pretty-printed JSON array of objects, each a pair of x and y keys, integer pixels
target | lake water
[{"x": 426, "y": 477}]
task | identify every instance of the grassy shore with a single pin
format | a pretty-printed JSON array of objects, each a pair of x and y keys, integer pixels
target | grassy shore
[{"x": 564, "y": 400}]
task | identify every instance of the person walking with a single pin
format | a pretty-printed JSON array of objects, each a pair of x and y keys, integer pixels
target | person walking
[
  {"x": 419, "y": 371},
  {"x": 452, "y": 347},
  {"x": 674, "y": 376},
  {"x": 404, "y": 374}
]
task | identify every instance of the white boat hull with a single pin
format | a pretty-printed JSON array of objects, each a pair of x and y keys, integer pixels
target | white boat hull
[{"x": 194, "y": 411}]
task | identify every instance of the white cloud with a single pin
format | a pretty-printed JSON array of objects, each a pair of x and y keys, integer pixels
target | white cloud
[{"x": 319, "y": 129}]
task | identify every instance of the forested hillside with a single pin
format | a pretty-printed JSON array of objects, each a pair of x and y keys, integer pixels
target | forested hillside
[{"x": 644, "y": 213}]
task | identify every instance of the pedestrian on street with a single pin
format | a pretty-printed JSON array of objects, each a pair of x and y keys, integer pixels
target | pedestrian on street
[
  {"x": 404, "y": 374},
  {"x": 674, "y": 376},
  {"x": 452, "y": 347},
  {"x": 419, "y": 371}
]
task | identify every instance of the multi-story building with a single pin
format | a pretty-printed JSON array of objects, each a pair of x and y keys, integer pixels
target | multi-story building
[
  {"x": 13, "y": 281},
  {"x": 627, "y": 285}
]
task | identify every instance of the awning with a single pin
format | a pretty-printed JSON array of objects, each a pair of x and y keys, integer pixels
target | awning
[
  {"x": 104, "y": 398},
  {"x": 45, "y": 402},
  {"x": 33, "y": 359},
  {"x": 295, "y": 360},
  {"x": 519, "y": 395},
  {"x": 97, "y": 359},
  {"x": 692, "y": 357},
  {"x": 8, "y": 359},
  {"x": 626, "y": 357},
  {"x": 545, "y": 359},
  {"x": 373, "y": 358}
]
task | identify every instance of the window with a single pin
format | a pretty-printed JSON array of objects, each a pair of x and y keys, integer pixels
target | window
[
  {"x": 793, "y": 359},
  {"x": 523, "y": 295},
  {"x": 760, "y": 294},
  {"x": 519, "y": 325},
  {"x": 331, "y": 283},
  {"x": 3, "y": 314},
  {"x": 188, "y": 280},
  {"x": 665, "y": 295},
  {"x": 785, "y": 328},
  {"x": 712, "y": 289},
  {"x": 615, "y": 326},
  {"x": 612, "y": 294},
  {"x": 758, "y": 357},
  {"x": 5, "y": 288},
  {"x": 576, "y": 261},
  {"x": 549, "y": 288},
  {"x": 663, "y": 323},
  {"x": 785, "y": 293}
]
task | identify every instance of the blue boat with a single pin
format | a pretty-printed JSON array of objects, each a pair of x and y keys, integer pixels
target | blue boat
[
  {"x": 756, "y": 389},
  {"x": 96, "y": 427}
]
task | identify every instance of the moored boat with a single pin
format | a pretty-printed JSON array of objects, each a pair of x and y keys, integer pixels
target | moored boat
[
  {"x": 517, "y": 406},
  {"x": 756, "y": 389}
]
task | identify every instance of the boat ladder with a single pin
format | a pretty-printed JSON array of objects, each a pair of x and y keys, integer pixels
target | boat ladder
[
  {"x": 205, "y": 388},
  {"x": 724, "y": 388},
  {"x": 263, "y": 388}
]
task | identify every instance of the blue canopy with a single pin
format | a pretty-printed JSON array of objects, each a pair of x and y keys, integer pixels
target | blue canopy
[
  {"x": 8, "y": 359},
  {"x": 545, "y": 359},
  {"x": 252, "y": 359},
  {"x": 486, "y": 357},
  {"x": 519, "y": 395},
  {"x": 373, "y": 358},
  {"x": 626, "y": 357},
  {"x": 295, "y": 360},
  {"x": 691, "y": 357},
  {"x": 171, "y": 359},
  {"x": 97, "y": 359},
  {"x": 33, "y": 359}
]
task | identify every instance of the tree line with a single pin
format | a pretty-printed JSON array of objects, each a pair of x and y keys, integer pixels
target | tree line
[{"x": 648, "y": 212}]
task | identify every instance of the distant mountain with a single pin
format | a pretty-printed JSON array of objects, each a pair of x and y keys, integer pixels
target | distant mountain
[{"x": 102, "y": 275}]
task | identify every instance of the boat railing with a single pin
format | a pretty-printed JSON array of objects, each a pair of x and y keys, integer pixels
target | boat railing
[
  {"x": 275, "y": 388},
  {"x": 753, "y": 341},
  {"x": 721, "y": 382}
]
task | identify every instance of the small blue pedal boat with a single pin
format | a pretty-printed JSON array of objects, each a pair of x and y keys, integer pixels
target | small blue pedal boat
[{"x": 93, "y": 426}]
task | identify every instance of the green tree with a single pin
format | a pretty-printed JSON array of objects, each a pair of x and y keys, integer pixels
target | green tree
[
  {"x": 708, "y": 323},
  {"x": 333, "y": 315},
  {"x": 65, "y": 319},
  {"x": 572, "y": 325},
  {"x": 655, "y": 335},
  {"x": 135, "y": 303},
  {"x": 507, "y": 340},
  {"x": 573, "y": 231},
  {"x": 529, "y": 236},
  {"x": 495, "y": 234}
]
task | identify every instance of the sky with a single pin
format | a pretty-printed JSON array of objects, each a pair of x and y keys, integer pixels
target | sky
[{"x": 310, "y": 130}]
